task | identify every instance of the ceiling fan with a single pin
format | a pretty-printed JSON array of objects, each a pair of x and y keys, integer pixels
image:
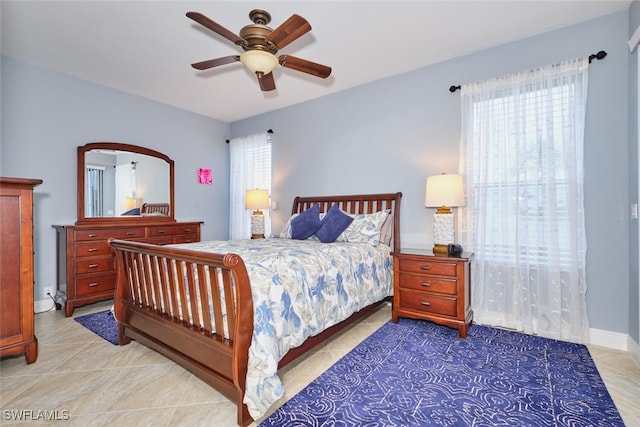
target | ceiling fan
[{"x": 260, "y": 44}]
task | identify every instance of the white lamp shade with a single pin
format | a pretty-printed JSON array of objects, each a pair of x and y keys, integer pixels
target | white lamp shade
[
  {"x": 444, "y": 190},
  {"x": 256, "y": 199},
  {"x": 259, "y": 61}
]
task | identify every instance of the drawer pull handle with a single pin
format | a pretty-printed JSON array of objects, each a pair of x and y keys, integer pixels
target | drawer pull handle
[
  {"x": 91, "y": 285},
  {"x": 425, "y": 284},
  {"x": 93, "y": 265},
  {"x": 130, "y": 233},
  {"x": 426, "y": 303},
  {"x": 160, "y": 231},
  {"x": 187, "y": 230},
  {"x": 93, "y": 249},
  {"x": 93, "y": 235},
  {"x": 425, "y": 267}
]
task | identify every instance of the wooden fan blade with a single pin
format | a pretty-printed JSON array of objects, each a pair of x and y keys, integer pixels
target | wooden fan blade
[
  {"x": 205, "y": 65},
  {"x": 305, "y": 66},
  {"x": 288, "y": 31},
  {"x": 216, "y": 28},
  {"x": 267, "y": 82}
]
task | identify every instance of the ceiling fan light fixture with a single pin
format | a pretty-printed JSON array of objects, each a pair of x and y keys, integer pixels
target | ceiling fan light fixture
[{"x": 259, "y": 61}]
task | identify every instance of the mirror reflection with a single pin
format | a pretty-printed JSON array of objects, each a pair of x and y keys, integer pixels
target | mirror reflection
[{"x": 121, "y": 183}]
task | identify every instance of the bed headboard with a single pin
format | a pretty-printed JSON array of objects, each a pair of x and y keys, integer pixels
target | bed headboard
[
  {"x": 357, "y": 204},
  {"x": 155, "y": 208}
]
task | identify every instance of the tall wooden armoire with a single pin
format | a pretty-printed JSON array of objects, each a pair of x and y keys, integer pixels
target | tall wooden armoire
[{"x": 17, "y": 328}]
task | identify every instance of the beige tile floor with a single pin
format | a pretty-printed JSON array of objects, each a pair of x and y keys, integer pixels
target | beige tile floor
[{"x": 100, "y": 384}]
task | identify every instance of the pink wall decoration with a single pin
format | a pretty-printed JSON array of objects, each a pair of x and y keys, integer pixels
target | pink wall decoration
[{"x": 205, "y": 176}]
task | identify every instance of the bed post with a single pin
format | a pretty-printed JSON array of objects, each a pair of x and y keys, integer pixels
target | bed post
[
  {"x": 396, "y": 223},
  {"x": 119, "y": 297},
  {"x": 243, "y": 332}
]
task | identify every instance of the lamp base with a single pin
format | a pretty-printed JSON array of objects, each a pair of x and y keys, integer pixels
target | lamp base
[
  {"x": 439, "y": 249},
  {"x": 257, "y": 225}
]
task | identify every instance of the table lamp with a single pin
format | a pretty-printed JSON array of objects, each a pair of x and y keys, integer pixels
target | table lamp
[
  {"x": 256, "y": 199},
  {"x": 443, "y": 192}
]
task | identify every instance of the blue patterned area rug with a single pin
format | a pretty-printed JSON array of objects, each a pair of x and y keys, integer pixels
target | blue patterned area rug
[
  {"x": 416, "y": 373},
  {"x": 101, "y": 323}
]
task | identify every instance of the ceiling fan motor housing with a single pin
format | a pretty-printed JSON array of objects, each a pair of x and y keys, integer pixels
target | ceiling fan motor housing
[{"x": 256, "y": 34}]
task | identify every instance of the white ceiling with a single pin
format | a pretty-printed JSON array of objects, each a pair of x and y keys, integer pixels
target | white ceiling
[{"x": 146, "y": 47}]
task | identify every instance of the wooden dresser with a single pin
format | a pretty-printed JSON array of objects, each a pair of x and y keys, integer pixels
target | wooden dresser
[
  {"x": 434, "y": 288},
  {"x": 86, "y": 266},
  {"x": 17, "y": 328}
]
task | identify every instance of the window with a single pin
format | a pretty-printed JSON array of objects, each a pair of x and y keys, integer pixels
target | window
[
  {"x": 522, "y": 161},
  {"x": 525, "y": 173},
  {"x": 250, "y": 159},
  {"x": 93, "y": 191}
]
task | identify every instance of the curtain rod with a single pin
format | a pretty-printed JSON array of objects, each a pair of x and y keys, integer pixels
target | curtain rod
[
  {"x": 268, "y": 131},
  {"x": 598, "y": 56}
]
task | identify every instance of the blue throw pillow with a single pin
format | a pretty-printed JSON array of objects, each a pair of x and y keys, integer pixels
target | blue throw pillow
[
  {"x": 134, "y": 211},
  {"x": 333, "y": 223},
  {"x": 306, "y": 224}
]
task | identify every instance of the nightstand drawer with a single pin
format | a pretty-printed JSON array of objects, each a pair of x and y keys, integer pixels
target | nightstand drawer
[
  {"x": 428, "y": 303},
  {"x": 428, "y": 267},
  {"x": 428, "y": 283}
]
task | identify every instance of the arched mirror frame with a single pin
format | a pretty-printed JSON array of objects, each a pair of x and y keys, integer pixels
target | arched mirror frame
[{"x": 117, "y": 146}]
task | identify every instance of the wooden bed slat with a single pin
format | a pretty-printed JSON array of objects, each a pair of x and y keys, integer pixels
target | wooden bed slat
[
  {"x": 216, "y": 301},
  {"x": 229, "y": 298}
]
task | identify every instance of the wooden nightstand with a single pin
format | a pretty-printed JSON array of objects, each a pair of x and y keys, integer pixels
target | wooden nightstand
[{"x": 431, "y": 287}]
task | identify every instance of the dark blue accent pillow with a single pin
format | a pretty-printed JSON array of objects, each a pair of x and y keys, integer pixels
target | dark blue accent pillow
[
  {"x": 333, "y": 223},
  {"x": 306, "y": 224},
  {"x": 134, "y": 211}
]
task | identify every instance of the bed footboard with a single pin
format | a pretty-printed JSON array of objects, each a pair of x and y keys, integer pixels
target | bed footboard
[{"x": 193, "y": 307}]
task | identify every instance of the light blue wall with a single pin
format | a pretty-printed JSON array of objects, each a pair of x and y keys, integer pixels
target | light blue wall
[
  {"x": 47, "y": 115},
  {"x": 391, "y": 134}
]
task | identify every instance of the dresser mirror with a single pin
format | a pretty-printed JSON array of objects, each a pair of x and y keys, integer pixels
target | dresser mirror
[{"x": 124, "y": 183}]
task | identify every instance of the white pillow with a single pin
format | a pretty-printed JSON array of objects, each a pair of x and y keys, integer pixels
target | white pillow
[
  {"x": 365, "y": 228},
  {"x": 386, "y": 232},
  {"x": 286, "y": 231}
]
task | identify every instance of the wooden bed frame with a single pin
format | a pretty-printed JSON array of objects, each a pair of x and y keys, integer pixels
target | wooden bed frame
[
  {"x": 155, "y": 208},
  {"x": 148, "y": 280}
]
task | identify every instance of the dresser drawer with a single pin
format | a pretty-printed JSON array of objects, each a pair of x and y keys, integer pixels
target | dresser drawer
[
  {"x": 88, "y": 249},
  {"x": 186, "y": 239},
  {"x": 428, "y": 303},
  {"x": 428, "y": 283},
  {"x": 428, "y": 267},
  {"x": 117, "y": 233},
  {"x": 94, "y": 265},
  {"x": 170, "y": 240},
  {"x": 95, "y": 284},
  {"x": 171, "y": 230},
  {"x": 164, "y": 240}
]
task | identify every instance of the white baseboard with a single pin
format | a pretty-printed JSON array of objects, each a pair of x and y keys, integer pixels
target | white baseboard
[
  {"x": 43, "y": 305},
  {"x": 608, "y": 339}
]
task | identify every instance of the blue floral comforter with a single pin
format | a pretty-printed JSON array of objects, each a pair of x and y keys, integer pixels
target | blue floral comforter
[{"x": 300, "y": 288}]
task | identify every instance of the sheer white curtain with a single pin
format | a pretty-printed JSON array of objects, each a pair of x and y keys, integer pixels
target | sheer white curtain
[
  {"x": 522, "y": 159},
  {"x": 250, "y": 168}
]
